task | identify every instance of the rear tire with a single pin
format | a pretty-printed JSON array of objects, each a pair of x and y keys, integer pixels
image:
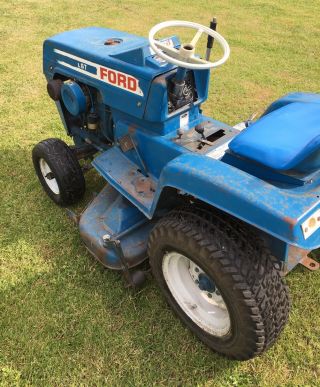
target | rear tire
[
  {"x": 238, "y": 265},
  {"x": 59, "y": 171}
]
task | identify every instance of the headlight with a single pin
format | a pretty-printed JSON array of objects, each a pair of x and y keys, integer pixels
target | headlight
[{"x": 310, "y": 225}]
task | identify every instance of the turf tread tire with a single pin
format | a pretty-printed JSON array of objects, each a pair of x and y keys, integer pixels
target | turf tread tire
[{"x": 229, "y": 250}]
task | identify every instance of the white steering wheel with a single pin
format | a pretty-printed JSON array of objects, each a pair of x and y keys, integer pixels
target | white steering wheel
[{"x": 185, "y": 55}]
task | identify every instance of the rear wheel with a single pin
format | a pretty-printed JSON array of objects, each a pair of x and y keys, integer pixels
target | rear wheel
[
  {"x": 221, "y": 281},
  {"x": 59, "y": 171}
]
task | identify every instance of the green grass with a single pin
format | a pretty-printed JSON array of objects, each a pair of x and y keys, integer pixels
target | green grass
[{"x": 64, "y": 320}]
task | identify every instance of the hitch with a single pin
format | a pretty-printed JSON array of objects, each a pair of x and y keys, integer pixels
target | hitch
[{"x": 309, "y": 263}]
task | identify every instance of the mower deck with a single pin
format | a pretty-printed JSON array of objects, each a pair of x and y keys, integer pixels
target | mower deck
[{"x": 110, "y": 214}]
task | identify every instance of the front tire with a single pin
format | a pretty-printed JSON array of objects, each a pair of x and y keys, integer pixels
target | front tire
[
  {"x": 222, "y": 282},
  {"x": 59, "y": 171}
]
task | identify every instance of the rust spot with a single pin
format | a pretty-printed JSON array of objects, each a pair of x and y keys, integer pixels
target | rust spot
[
  {"x": 132, "y": 129},
  {"x": 126, "y": 143},
  {"x": 112, "y": 42},
  {"x": 295, "y": 255},
  {"x": 139, "y": 244},
  {"x": 143, "y": 185},
  {"x": 309, "y": 263},
  {"x": 292, "y": 222},
  {"x": 160, "y": 81}
]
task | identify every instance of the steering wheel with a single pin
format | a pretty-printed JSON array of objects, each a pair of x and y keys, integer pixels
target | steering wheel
[{"x": 185, "y": 55}]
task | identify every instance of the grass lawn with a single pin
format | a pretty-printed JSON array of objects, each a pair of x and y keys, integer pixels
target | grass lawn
[{"x": 64, "y": 320}]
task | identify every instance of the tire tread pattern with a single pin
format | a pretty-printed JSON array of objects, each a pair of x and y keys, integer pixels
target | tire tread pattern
[
  {"x": 65, "y": 167},
  {"x": 246, "y": 263}
]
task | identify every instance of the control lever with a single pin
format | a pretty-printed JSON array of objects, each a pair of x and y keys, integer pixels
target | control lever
[
  {"x": 200, "y": 129},
  {"x": 213, "y": 26}
]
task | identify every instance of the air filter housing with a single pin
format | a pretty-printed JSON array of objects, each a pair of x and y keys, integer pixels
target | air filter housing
[{"x": 73, "y": 98}]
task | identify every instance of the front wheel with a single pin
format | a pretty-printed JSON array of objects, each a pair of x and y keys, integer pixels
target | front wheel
[
  {"x": 222, "y": 282},
  {"x": 59, "y": 171}
]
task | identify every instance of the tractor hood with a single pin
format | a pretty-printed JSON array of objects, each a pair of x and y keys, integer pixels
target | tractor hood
[
  {"x": 120, "y": 65},
  {"x": 108, "y": 47}
]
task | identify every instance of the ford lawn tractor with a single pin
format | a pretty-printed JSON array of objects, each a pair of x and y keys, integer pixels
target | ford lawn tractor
[{"x": 220, "y": 212}]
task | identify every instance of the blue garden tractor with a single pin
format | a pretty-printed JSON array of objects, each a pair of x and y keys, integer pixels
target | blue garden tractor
[{"x": 220, "y": 212}]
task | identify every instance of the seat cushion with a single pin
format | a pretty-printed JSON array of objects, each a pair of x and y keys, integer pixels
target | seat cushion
[{"x": 283, "y": 138}]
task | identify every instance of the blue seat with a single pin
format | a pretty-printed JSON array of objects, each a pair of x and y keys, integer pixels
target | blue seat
[{"x": 284, "y": 138}]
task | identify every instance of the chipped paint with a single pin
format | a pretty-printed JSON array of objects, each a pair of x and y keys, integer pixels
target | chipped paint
[{"x": 110, "y": 213}]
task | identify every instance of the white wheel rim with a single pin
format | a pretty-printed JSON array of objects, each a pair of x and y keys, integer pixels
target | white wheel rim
[
  {"x": 49, "y": 177},
  {"x": 205, "y": 308},
  {"x": 180, "y": 23}
]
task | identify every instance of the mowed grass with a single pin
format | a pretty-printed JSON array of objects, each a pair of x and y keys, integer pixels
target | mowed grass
[{"x": 64, "y": 320}]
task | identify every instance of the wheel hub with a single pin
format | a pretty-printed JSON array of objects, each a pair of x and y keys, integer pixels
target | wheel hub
[
  {"x": 196, "y": 293},
  {"x": 49, "y": 176},
  {"x": 207, "y": 286},
  {"x": 205, "y": 283}
]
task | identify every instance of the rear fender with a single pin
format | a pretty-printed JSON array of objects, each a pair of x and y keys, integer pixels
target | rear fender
[{"x": 276, "y": 211}]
